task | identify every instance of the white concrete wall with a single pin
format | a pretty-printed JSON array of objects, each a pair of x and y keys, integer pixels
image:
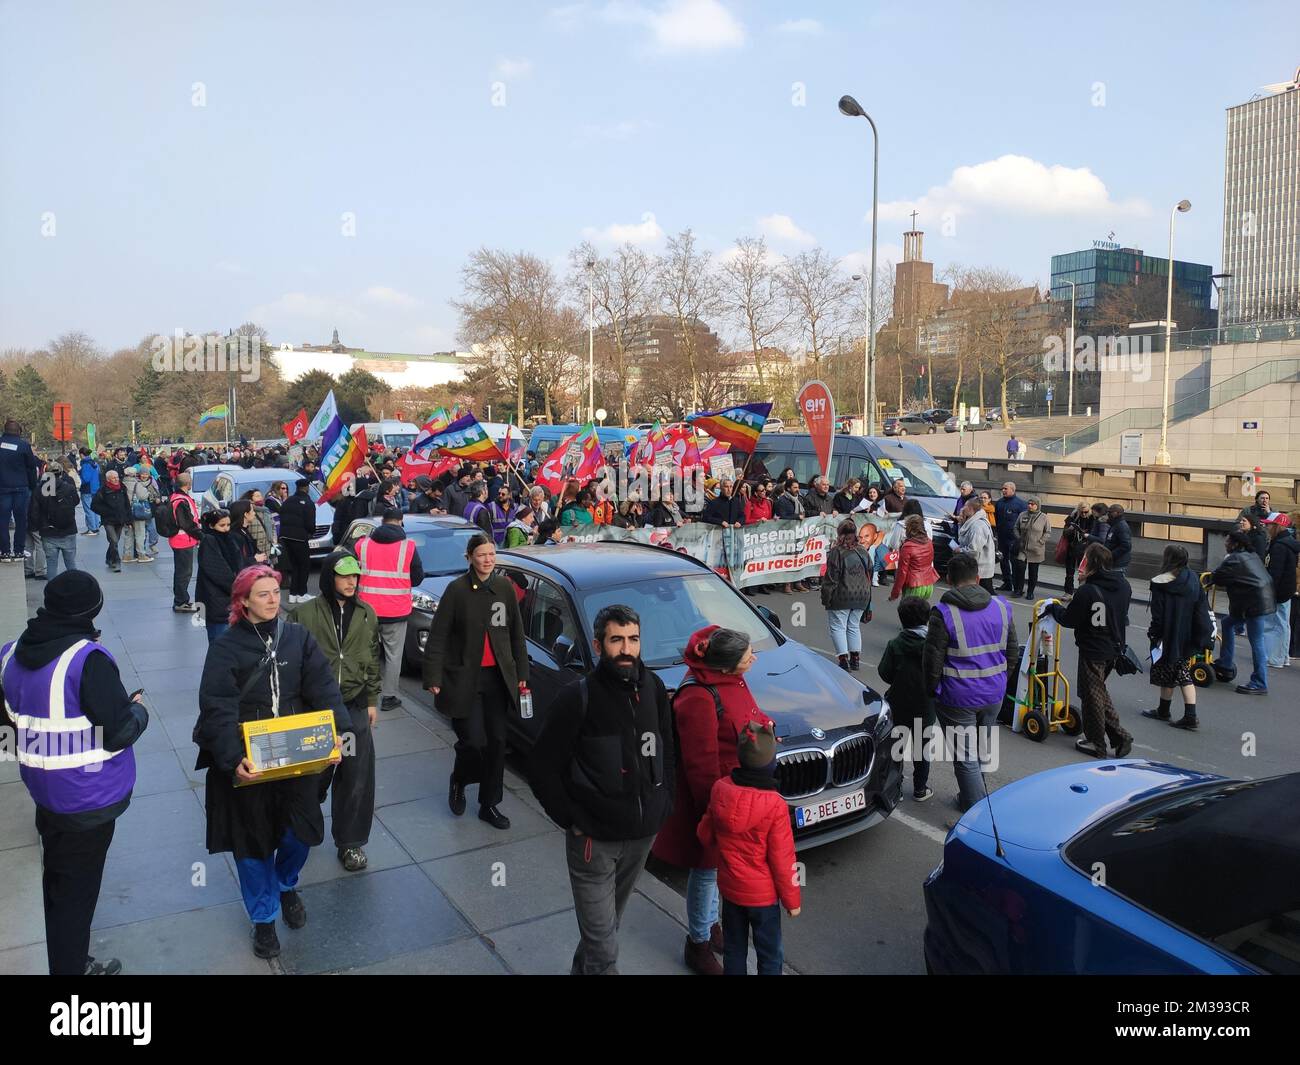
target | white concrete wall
[{"x": 397, "y": 373}]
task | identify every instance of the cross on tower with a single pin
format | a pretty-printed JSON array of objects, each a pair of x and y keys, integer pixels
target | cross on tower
[{"x": 914, "y": 221}]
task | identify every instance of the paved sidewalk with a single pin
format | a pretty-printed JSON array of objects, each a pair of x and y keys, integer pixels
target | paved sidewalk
[{"x": 442, "y": 894}]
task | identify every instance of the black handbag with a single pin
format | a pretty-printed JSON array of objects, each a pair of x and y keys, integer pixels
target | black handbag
[{"x": 1128, "y": 663}]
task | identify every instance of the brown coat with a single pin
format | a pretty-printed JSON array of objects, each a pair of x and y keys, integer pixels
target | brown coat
[{"x": 1031, "y": 535}]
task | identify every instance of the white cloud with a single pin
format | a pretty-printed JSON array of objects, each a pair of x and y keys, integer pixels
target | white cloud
[
  {"x": 1014, "y": 183},
  {"x": 781, "y": 227},
  {"x": 859, "y": 262},
  {"x": 382, "y": 296},
  {"x": 731, "y": 253},
  {"x": 647, "y": 231},
  {"x": 681, "y": 25},
  {"x": 513, "y": 68},
  {"x": 800, "y": 25}
]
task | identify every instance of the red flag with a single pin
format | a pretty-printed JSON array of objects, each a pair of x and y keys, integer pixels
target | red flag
[{"x": 297, "y": 429}]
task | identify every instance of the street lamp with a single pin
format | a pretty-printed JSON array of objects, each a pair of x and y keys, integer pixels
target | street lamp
[
  {"x": 1220, "y": 290},
  {"x": 1070, "y": 411},
  {"x": 866, "y": 350},
  {"x": 591, "y": 339},
  {"x": 851, "y": 107},
  {"x": 1162, "y": 454}
]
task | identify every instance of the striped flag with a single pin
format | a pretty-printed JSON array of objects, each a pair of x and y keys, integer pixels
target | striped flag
[
  {"x": 214, "y": 414},
  {"x": 342, "y": 454},
  {"x": 464, "y": 438},
  {"x": 739, "y": 426}
]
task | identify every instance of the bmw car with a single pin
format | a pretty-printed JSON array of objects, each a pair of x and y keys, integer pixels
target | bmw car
[
  {"x": 834, "y": 768},
  {"x": 1121, "y": 867}
]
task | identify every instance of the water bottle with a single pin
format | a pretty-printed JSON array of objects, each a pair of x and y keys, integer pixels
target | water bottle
[{"x": 525, "y": 704}]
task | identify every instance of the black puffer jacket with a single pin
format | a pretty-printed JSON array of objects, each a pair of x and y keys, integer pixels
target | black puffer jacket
[
  {"x": 1180, "y": 615},
  {"x": 221, "y": 557},
  {"x": 847, "y": 584},
  {"x": 57, "y": 508},
  {"x": 1249, "y": 586},
  {"x": 1281, "y": 562},
  {"x": 590, "y": 767},
  {"x": 298, "y": 517}
]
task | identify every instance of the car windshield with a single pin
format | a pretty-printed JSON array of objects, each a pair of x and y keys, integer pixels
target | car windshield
[
  {"x": 264, "y": 487},
  {"x": 673, "y": 608},
  {"x": 1221, "y": 861},
  {"x": 924, "y": 477},
  {"x": 442, "y": 552},
  {"x": 201, "y": 480},
  {"x": 399, "y": 440}
]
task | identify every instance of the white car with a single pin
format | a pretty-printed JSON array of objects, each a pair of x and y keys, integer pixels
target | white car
[
  {"x": 232, "y": 484},
  {"x": 201, "y": 478}
]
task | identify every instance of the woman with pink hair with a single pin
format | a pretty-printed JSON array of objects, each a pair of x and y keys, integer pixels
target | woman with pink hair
[{"x": 263, "y": 666}]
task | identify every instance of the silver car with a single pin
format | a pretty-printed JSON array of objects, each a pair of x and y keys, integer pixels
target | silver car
[{"x": 231, "y": 484}]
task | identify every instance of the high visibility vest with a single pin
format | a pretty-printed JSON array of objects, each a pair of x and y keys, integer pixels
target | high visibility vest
[
  {"x": 61, "y": 757},
  {"x": 386, "y": 576},
  {"x": 975, "y": 670}
]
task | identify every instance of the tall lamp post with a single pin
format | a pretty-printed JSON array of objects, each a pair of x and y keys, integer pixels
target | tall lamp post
[
  {"x": 591, "y": 340},
  {"x": 1070, "y": 411},
  {"x": 1162, "y": 454},
  {"x": 851, "y": 107}
]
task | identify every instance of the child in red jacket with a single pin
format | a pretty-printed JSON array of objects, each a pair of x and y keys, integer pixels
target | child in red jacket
[{"x": 749, "y": 824}]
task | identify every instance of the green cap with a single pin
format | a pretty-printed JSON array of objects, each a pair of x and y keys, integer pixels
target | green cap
[{"x": 346, "y": 567}]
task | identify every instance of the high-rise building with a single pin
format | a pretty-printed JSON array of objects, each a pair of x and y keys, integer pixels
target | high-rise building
[
  {"x": 1109, "y": 268},
  {"x": 1261, "y": 207}
]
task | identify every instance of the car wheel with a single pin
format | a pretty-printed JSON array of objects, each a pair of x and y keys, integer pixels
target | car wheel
[
  {"x": 902, "y": 432},
  {"x": 1073, "y": 723},
  {"x": 1035, "y": 726},
  {"x": 1202, "y": 675},
  {"x": 932, "y": 429}
]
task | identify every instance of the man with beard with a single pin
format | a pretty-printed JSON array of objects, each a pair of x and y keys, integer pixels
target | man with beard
[{"x": 603, "y": 769}]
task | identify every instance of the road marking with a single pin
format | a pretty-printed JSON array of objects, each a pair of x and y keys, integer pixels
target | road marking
[{"x": 928, "y": 831}]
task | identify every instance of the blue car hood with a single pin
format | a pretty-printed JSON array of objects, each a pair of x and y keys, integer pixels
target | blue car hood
[{"x": 1045, "y": 810}]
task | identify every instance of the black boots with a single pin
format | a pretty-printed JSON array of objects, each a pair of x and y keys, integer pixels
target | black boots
[
  {"x": 456, "y": 798},
  {"x": 1188, "y": 720},
  {"x": 844, "y": 662},
  {"x": 855, "y": 661},
  {"x": 493, "y": 817}
]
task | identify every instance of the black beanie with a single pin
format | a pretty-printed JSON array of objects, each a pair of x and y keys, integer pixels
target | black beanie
[{"x": 74, "y": 594}]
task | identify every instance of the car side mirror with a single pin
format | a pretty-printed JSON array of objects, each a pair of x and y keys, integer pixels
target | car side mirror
[
  {"x": 567, "y": 654},
  {"x": 770, "y": 616}
]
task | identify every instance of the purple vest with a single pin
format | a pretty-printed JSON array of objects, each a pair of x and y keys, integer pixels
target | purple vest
[
  {"x": 975, "y": 670},
  {"x": 60, "y": 754},
  {"x": 471, "y": 511},
  {"x": 500, "y": 521}
]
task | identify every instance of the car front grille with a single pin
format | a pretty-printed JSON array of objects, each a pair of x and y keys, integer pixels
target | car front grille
[
  {"x": 801, "y": 773},
  {"x": 852, "y": 760},
  {"x": 321, "y": 530}
]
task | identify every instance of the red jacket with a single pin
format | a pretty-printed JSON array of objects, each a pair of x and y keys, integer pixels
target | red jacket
[
  {"x": 757, "y": 510},
  {"x": 915, "y": 566},
  {"x": 751, "y": 829},
  {"x": 706, "y": 752}
]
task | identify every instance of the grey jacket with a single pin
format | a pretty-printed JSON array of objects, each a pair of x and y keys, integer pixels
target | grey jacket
[
  {"x": 975, "y": 537},
  {"x": 1031, "y": 535}
]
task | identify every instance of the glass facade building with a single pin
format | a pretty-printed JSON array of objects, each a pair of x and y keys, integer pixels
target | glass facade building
[
  {"x": 1094, "y": 270},
  {"x": 1261, "y": 208}
]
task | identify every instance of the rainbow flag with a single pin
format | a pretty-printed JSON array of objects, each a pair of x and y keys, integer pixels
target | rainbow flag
[
  {"x": 645, "y": 449},
  {"x": 436, "y": 423},
  {"x": 213, "y": 414},
  {"x": 464, "y": 438},
  {"x": 341, "y": 455},
  {"x": 739, "y": 426}
]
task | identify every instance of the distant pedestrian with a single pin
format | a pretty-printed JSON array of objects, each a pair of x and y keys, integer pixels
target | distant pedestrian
[
  {"x": 184, "y": 544},
  {"x": 1008, "y": 510},
  {"x": 1119, "y": 538},
  {"x": 846, "y": 594},
  {"x": 17, "y": 483},
  {"x": 896, "y": 497},
  {"x": 297, "y": 529},
  {"x": 1013, "y": 447},
  {"x": 604, "y": 771},
  {"x": 975, "y": 537},
  {"x": 749, "y": 823},
  {"x": 88, "y": 470},
  {"x": 1098, "y": 614},
  {"x": 390, "y": 572},
  {"x": 1249, "y": 526},
  {"x": 1078, "y": 524},
  {"x": 140, "y": 497},
  {"x": 111, "y": 504},
  {"x": 221, "y": 557},
  {"x": 1180, "y": 628},
  {"x": 1280, "y": 561},
  {"x": 916, "y": 574},
  {"x": 1032, "y": 528},
  {"x": 911, "y": 701},
  {"x": 57, "y": 508},
  {"x": 1251, "y": 603}
]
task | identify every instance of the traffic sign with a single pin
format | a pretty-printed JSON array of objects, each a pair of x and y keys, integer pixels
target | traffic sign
[
  {"x": 63, "y": 421},
  {"x": 1049, "y": 395}
]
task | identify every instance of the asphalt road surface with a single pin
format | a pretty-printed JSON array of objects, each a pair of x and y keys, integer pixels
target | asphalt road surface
[{"x": 863, "y": 909}]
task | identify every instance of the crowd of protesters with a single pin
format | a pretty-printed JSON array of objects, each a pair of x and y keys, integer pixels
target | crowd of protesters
[{"x": 703, "y": 795}]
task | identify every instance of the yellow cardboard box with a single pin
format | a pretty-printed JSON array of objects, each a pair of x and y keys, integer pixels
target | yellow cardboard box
[{"x": 291, "y": 746}]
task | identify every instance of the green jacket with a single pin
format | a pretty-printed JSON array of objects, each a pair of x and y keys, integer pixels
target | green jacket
[{"x": 355, "y": 665}]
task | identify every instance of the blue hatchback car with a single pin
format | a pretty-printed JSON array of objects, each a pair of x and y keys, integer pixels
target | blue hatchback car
[{"x": 1121, "y": 867}]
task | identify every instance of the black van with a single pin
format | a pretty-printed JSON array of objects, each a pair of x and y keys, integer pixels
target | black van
[{"x": 873, "y": 460}]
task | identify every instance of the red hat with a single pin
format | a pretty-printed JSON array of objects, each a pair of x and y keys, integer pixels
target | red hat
[{"x": 1278, "y": 518}]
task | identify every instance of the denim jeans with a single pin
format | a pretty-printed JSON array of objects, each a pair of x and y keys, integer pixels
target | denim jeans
[
  {"x": 701, "y": 903},
  {"x": 113, "y": 534},
  {"x": 846, "y": 630},
  {"x": 93, "y": 520},
  {"x": 35, "y": 565},
  {"x": 1256, "y": 629},
  {"x": 14, "y": 504},
  {"x": 215, "y": 629},
  {"x": 765, "y": 921},
  {"x": 66, "y": 546},
  {"x": 1279, "y": 635},
  {"x": 262, "y": 879},
  {"x": 970, "y": 722}
]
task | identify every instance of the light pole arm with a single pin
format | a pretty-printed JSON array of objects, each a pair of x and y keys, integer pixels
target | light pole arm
[{"x": 869, "y": 384}]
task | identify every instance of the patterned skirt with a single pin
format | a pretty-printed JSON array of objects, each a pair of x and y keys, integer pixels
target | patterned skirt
[{"x": 1171, "y": 673}]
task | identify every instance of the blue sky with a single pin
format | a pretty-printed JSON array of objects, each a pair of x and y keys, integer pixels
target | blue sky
[{"x": 1018, "y": 130}]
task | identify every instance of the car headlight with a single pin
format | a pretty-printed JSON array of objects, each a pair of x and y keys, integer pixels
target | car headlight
[
  {"x": 424, "y": 602},
  {"x": 885, "y": 720}
]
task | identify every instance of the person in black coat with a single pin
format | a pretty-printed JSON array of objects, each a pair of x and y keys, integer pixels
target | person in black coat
[
  {"x": 1250, "y": 600},
  {"x": 604, "y": 769},
  {"x": 1281, "y": 565},
  {"x": 1098, "y": 614},
  {"x": 1119, "y": 538},
  {"x": 221, "y": 557},
  {"x": 726, "y": 509},
  {"x": 913, "y": 705},
  {"x": 297, "y": 527},
  {"x": 1180, "y": 627},
  {"x": 111, "y": 504},
  {"x": 1076, "y": 531},
  {"x": 476, "y": 666},
  {"x": 263, "y": 666},
  {"x": 1249, "y": 526}
]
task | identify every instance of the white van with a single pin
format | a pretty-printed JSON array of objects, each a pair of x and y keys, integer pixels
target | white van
[{"x": 389, "y": 433}]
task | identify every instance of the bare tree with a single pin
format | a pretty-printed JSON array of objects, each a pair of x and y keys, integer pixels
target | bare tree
[
  {"x": 688, "y": 292},
  {"x": 754, "y": 299},
  {"x": 818, "y": 291},
  {"x": 993, "y": 305},
  {"x": 496, "y": 315},
  {"x": 623, "y": 287}
]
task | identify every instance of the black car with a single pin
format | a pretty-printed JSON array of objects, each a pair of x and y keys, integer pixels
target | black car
[
  {"x": 834, "y": 770},
  {"x": 937, "y": 415},
  {"x": 902, "y": 424},
  {"x": 952, "y": 426}
]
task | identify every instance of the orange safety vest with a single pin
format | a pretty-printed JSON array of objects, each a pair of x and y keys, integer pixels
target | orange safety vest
[{"x": 386, "y": 576}]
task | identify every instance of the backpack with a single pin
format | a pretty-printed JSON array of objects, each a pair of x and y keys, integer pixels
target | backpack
[
  {"x": 717, "y": 699},
  {"x": 141, "y": 510},
  {"x": 164, "y": 519}
]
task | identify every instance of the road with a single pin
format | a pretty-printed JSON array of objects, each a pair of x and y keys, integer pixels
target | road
[{"x": 863, "y": 910}]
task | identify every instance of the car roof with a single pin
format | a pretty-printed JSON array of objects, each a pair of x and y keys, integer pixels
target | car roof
[
  {"x": 422, "y": 522},
  {"x": 212, "y": 467},
  {"x": 263, "y": 473},
  {"x": 590, "y": 565}
]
